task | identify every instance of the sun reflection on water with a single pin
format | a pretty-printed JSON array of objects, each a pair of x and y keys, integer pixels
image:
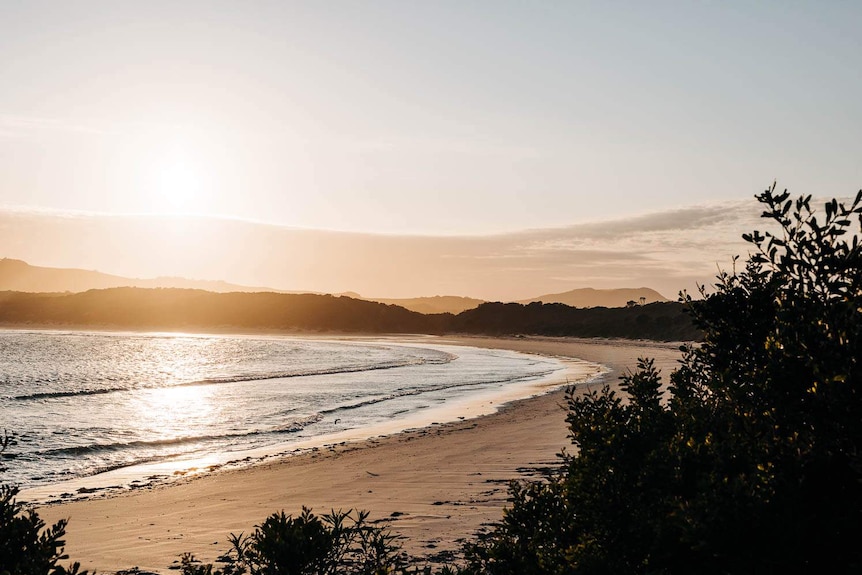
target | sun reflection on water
[
  {"x": 183, "y": 409},
  {"x": 177, "y": 411}
]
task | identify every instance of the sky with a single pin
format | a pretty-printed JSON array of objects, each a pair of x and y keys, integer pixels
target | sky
[{"x": 419, "y": 123}]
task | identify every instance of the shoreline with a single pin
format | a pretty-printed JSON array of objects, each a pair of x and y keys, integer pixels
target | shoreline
[
  {"x": 116, "y": 482},
  {"x": 436, "y": 485}
]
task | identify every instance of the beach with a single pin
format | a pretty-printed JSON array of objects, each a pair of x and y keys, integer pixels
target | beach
[{"x": 436, "y": 485}]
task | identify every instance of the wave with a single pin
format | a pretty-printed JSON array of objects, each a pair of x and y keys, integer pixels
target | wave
[
  {"x": 406, "y": 392},
  {"x": 59, "y": 394},
  {"x": 413, "y": 361},
  {"x": 293, "y": 426},
  {"x": 120, "y": 446}
]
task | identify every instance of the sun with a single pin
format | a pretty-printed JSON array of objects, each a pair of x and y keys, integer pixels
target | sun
[
  {"x": 175, "y": 168},
  {"x": 179, "y": 185}
]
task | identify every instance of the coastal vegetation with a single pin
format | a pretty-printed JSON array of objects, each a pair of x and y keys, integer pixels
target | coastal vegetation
[
  {"x": 338, "y": 543},
  {"x": 27, "y": 545},
  {"x": 749, "y": 461},
  {"x": 661, "y": 321}
]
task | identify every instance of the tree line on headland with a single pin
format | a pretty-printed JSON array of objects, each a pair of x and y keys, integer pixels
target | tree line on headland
[{"x": 198, "y": 310}]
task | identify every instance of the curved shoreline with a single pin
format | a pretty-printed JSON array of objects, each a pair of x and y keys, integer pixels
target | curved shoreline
[
  {"x": 438, "y": 484},
  {"x": 472, "y": 404}
]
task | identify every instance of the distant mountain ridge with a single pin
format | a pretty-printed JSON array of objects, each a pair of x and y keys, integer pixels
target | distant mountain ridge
[
  {"x": 589, "y": 297},
  {"x": 17, "y": 275}
]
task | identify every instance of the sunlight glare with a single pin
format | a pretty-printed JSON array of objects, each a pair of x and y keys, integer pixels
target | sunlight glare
[
  {"x": 178, "y": 408},
  {"x": 177, "y": 411},
  {"x": 177, "y": 173},
  {"x": 179, "y": 186}
]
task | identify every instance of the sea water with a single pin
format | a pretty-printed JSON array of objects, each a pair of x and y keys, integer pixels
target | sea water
[{"x": 78, "y": 404}]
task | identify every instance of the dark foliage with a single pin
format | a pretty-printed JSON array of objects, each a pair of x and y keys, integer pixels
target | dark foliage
[
  {"x": 752, "y": 462},
  {"x": 665, "y": 321},
  {"x": 27, "y": 546},
  {"x": 338, "y": 543}
]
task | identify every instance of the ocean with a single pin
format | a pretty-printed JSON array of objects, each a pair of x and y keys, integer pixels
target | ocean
[{"x": 84, "y": 404}]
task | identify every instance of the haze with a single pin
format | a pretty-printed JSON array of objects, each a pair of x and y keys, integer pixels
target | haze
[{"x": 401, "y": 149}]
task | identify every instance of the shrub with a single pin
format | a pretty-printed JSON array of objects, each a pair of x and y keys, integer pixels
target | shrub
[
  {"x": 342, "y": 543},
  {"x": 27, "y": 546},
  {"x": 752, "y": 463}
]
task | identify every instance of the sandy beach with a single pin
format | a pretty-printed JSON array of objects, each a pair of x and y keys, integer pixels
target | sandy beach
[{"x": 435, "y": 485}]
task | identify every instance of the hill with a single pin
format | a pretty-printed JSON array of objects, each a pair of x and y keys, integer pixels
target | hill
[
  {"x": 589, "y": 297},
  {"x": 199, "y": 310},
  {"x": 186, "y": 309},
  {"x": 17, "y": 275}
]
